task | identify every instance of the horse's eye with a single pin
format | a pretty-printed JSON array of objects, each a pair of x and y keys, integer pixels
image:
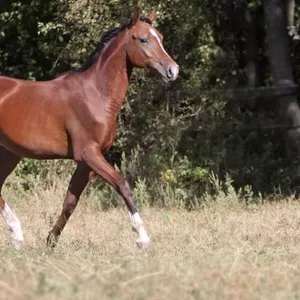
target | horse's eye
[{"x": 143, "y": 40}]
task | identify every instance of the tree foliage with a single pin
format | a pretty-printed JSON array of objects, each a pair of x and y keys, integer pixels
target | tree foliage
[{"x": 165, "y": 137}]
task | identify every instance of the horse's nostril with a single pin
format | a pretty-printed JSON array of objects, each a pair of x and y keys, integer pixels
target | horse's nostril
[{"x": 172, "y": 72}]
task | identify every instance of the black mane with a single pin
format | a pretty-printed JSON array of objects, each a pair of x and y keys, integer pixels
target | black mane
[{"x": 106, "y": 37}]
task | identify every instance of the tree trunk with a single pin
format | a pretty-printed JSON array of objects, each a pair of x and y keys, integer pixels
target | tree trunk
[
  {"x": 290, "y": 4},
  {"x": 251, "y": 51},
  {"x": 290, "y": 11},
  {"x": 281, "y": 70}
]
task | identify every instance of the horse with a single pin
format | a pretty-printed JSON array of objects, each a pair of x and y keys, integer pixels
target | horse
[{"x": 73, "y": 116}]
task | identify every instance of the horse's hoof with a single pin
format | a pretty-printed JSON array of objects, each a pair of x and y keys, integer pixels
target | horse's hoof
[
  {"x": 17, "y": 244},
  {"x": 51, "y": 241},
  {"x": 143, "y": 244}
]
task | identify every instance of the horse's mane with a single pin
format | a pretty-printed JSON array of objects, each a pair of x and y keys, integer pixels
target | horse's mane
[{"x": 106, "y": 37}]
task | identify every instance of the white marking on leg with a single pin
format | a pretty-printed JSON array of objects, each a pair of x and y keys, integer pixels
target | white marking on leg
[
  {"x": 14, "y": 226},
  {"x": 137, "y": 224}
]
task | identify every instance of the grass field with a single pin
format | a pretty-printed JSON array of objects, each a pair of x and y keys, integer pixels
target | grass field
[{"x": 218, "y": 252}]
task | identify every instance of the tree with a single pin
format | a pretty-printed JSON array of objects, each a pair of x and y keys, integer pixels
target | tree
[{"x": 282, "y": 73}]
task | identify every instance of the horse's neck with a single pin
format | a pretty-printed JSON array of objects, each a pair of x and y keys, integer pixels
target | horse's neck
[{"x": 111, "y": 73}]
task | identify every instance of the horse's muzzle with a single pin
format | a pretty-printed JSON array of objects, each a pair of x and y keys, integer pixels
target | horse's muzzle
[
  {"x": 168, "y": 71},
  {"x": 172, "y": 72}
]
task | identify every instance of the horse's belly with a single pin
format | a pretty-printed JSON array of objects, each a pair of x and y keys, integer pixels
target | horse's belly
[
  {"x": 34, "y": 141},
  {"x": 37, "y": 148}
]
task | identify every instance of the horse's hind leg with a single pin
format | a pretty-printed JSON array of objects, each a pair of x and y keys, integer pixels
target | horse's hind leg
[
  {"x": 8, "y": 162},
  {"x": 77, "y": 184}
]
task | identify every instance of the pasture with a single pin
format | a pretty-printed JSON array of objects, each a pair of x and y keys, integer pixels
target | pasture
[{"x": 220, "y": 251}]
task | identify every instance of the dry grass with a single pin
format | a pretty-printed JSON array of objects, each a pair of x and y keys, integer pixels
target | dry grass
[{"x": 219, "y": 252}]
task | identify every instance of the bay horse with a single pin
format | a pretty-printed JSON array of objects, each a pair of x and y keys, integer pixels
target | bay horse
[{"x": 74, "y": 117}]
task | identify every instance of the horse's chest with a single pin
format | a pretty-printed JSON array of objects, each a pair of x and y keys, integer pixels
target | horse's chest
[
  {"x": 98, "y": 123},
  {"x": 104, "y": 133}
]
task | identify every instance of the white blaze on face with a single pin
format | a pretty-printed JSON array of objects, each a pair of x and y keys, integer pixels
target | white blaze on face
[
  {"x": 153, "y": 32},
  {"x": 13, "y": 224}
]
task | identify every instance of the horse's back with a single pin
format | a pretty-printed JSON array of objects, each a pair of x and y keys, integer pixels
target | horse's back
[{"x": 7, "y": 85}]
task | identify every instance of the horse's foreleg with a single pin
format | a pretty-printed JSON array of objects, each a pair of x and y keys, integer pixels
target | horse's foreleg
[
  {"x": 78, "y": 182},
  {"x": 8, "y": 162},
  {"x": 95, "y": 160}
]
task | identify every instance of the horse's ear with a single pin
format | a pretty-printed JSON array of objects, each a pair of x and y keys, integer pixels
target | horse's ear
[
  {"x": 152, "y": 15},
  {"x": 135, "y": 16}
]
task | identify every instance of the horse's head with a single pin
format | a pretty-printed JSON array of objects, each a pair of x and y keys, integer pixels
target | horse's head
[{"x": 145, "y": 48}]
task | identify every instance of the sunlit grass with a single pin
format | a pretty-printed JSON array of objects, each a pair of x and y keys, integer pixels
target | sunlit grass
[{"x": 217, "y": 252}]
